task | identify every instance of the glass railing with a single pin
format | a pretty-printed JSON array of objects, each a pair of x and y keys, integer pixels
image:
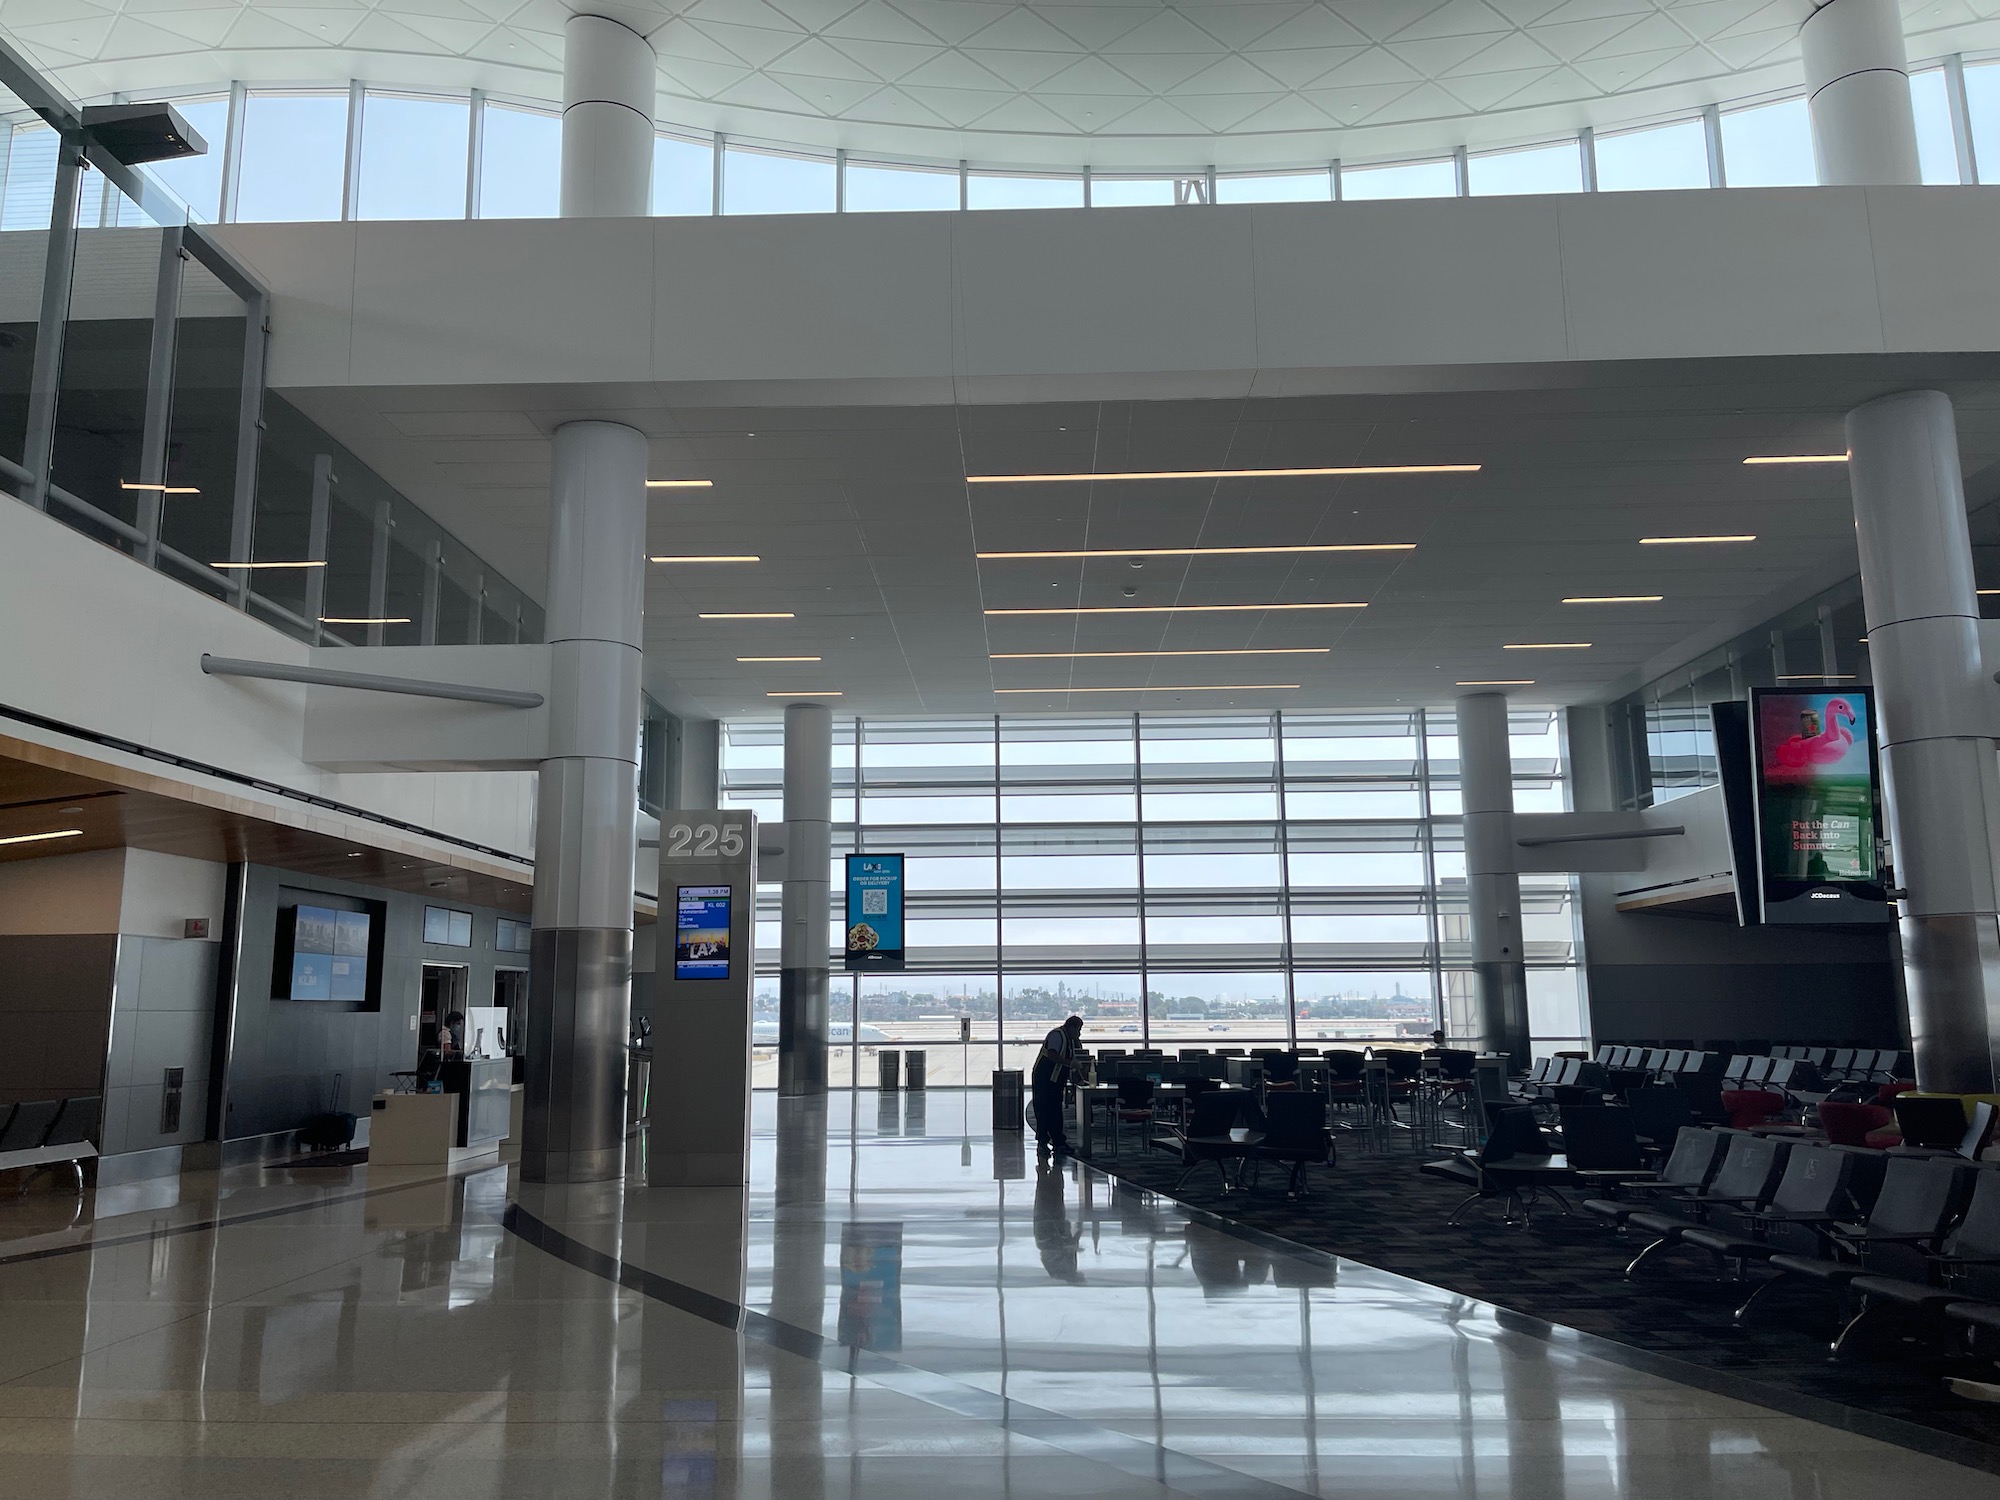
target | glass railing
[{"x": 132, "y": 408}]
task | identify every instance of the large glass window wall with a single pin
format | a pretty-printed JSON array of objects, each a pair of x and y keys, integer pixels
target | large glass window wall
[
  {"x": 1179, "y": 881},
  {"x": 304, "y": 154}
]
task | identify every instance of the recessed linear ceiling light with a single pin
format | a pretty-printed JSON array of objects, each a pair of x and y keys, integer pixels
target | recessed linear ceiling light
[
  {"x": 1548, "y": 646},
  {"x": 717, "y": 557},
  {"x": 1224, "y": 474},
  {"x": 680, "y": 484},
  {"x": 816, "y": 693},
  {"x": 1798, "y": 458},
  {"x": 1202, "y": 551},
  {"x": 1496, "y": 682},
  {"x": 766, "y": 614},
  {"x": 268, "y": 565},
  {"x": 778, "y": 658},
  {"x": 164, "y": 489},
  {"x": 1198, "y": 687},
  {"x": 1164, "y": 609},
  {"x": 1686, "y": 541},
  {"x": 36, "y": 838},
  {"x": 1986, "y": 591},
  {"x": 1105, "y": 655},
  {"x": 1615, "y": 599},
  {"x": 1816, "y": 677},
  {"x": 365, "y": 620}
]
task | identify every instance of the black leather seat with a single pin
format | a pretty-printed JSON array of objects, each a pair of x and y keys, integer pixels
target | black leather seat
[
  {"x": 1748, "y": 1176},
  {"x": 1969, "y": 1266},
  {"x": 1692, "y": 1162},
  {"x": 1919, "y": 1198}
]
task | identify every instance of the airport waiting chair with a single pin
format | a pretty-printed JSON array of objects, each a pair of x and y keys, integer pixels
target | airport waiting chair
[
  {"x": 1919, "y": 1197},
  {"x": 1817, "y": 1188},
  {"x": 29, "y": 1125},
  {"x": 1658, "y": 1113},
  {"x": 1295, "y": 1134},
  {"x": 1938, "y": 1123},
  {"x": 1688, "y": 1168},
  {"x": 1514, "y": 1168},
  {"x": 1749, "y": 1175},
  {"x": 1208, "y": 1139},
  {"x": 1967, "y": 1267},
  {"x": 1601, "y": 1144}
]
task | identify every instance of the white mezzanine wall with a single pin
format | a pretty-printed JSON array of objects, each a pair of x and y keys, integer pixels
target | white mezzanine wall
[
  {"x": 1176, "y": 879},
  {"x": 278, "y": 154}
]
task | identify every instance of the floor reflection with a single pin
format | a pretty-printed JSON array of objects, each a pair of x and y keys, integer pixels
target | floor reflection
[{"x": 896, "y": 1288}]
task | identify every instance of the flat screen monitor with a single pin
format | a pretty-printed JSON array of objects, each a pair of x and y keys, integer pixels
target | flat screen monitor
[
  {"x": 701, "y": 932},
  {"x": 874, "y": 911},
  {"x": 1817, "y": 806},
  {"x": 329, "y": 954}
]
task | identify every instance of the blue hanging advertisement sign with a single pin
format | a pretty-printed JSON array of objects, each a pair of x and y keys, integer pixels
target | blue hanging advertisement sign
[{"x": 874, "y": 911}]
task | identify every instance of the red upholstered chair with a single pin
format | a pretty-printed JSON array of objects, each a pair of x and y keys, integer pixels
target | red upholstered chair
[
  {"x": 1747, "y": 1107},
  {"x": 1850, "y": 1124}
]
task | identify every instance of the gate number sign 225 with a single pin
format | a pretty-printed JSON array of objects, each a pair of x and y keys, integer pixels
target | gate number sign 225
[{"x": 702, "y": 840}]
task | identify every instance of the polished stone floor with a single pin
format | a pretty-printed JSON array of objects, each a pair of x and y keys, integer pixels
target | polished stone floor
[{"x": 898, "y": 1307}]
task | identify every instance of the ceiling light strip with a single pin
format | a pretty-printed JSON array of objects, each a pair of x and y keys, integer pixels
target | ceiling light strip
[
  {"x": 1198, "y": 687},
  {"x": 1798, "y": 458},
  {"x": 715, "y": 557},
  {"x": 365, "y": 620},
  {"x": 680, "y": 484},
  {"x": 1200, "y": 551},
  {"x": 1496, "y": 682},
  {"x": 763, "y": 614},
  {"x": 1107, "y": 655},
  {"x": 164, "y": 489},
  {"x": 319, "y": 564},
  {"x": 1547, "y": 646},
  {"x": 778, "y": 658},
  {"x": 812, "y": 693},
  {"x": 1816, "y": 677},
  {"x": 1688, "y": 541},
  {"x": 36, "y": 838},
  {"x": 1615, "y": 599},
  {"x": 1319, "y": 473},
  {"x": 1165, "y": 609}
]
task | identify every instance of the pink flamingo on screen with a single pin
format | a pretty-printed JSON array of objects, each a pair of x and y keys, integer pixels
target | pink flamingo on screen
[{"x": 1824, "y": 748}]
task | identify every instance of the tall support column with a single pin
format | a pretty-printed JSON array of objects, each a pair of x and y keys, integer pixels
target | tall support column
[
  {"x": 1858, "y": 91},
  {"x": 802, "y": 978},
  {"x": 1486, "y": 789},
  {"x": 1939, "y": 772},
  {"x": 579, "y": 987},
  {"x": 607, "y": 134}
]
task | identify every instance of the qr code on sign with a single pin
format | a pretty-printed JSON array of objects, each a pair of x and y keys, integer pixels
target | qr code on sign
[{"x": 874, "y": 903}]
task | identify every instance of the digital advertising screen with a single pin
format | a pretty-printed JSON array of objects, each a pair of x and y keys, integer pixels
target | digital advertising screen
[
  {"x": 329, "y": 954},
  {"x": 701, "y": 932},
  {"x": 1817, "y": 804},
  {"x": 874, "y": 911}
]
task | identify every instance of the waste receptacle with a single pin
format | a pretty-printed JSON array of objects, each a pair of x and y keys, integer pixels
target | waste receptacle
[
  {"x": 1010, "y": 1102},
  {"x": 889, "y": 1065},
  {"x": 913, "y": 1071}
]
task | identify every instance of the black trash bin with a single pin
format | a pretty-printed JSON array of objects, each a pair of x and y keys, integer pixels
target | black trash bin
[
  {"x": 1010, "y": 1102},
  {"x": 889, "y": 1064},
  {"x": 913, "y": 1071}
]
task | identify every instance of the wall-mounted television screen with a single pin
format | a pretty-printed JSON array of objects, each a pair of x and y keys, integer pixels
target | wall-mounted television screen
[
  {"x": 1818, "y": 800},
  {"x": 701, "y": 932},
  {"x": 329, "y": 954},
  {"x": 447, "y": 928}
]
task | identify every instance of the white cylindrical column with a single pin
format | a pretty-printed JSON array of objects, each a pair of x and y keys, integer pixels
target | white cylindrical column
[
  {"x": 1939, "y": 774},
  {"x": 586, "y": 809},
  {"x": 1858, "y": 90},
  {"x": 1493, "y": 889},
  {"x": 803, "y": 1013},
  {"x": 607, "y": 123}
]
